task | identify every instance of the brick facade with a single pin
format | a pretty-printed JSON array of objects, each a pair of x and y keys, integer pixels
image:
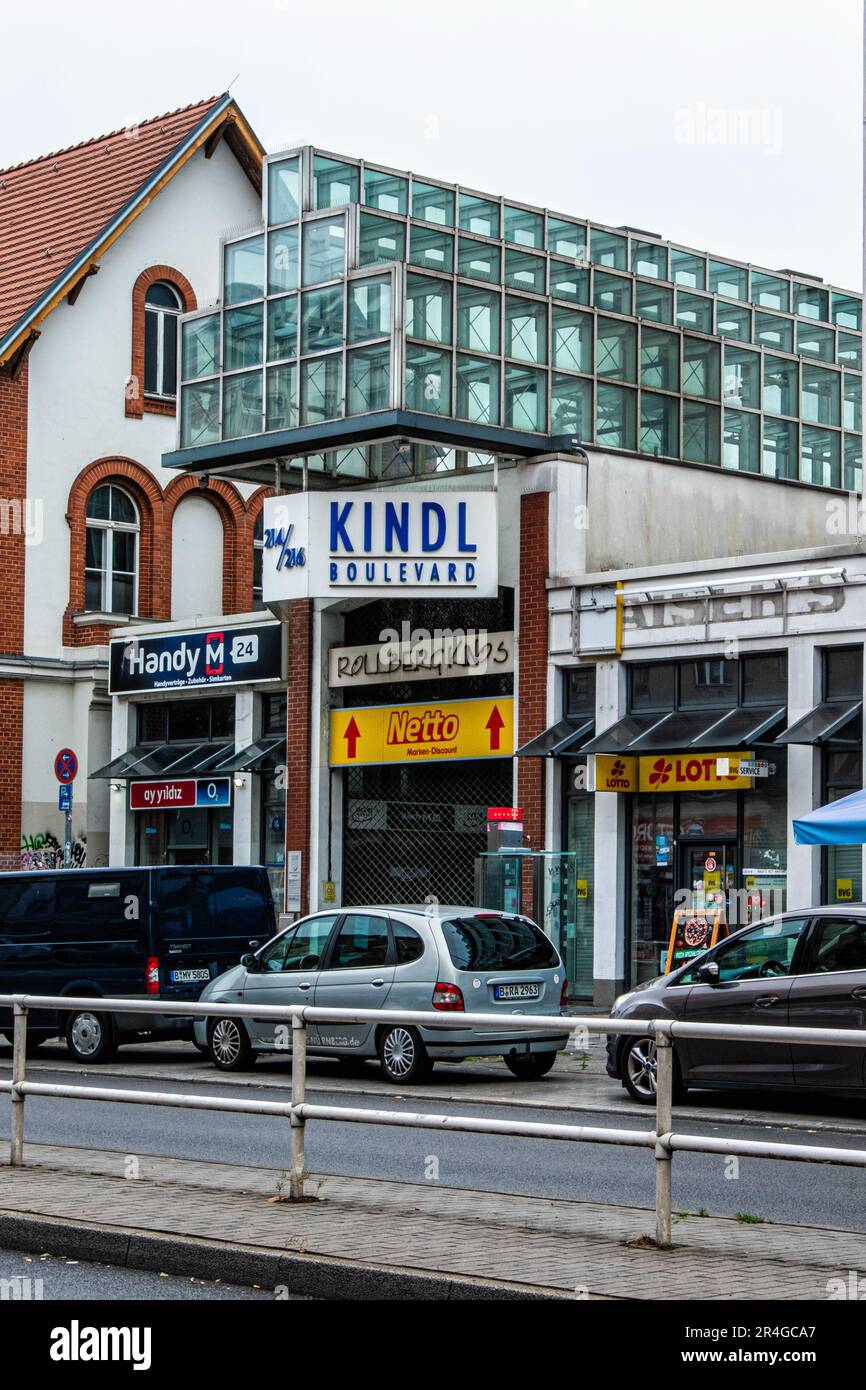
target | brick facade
[
  {"x": 532, "y": 640},
  {"x": 136, "y": 405},
  {"x": 298, "y": 738},
  {"x": 13, "y": 515}
]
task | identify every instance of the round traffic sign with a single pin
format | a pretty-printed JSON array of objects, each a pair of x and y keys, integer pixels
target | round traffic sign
[{"x": 66, "y": 765}]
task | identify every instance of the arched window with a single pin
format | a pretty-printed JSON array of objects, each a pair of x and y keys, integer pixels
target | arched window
[
  {"x": 111, "y": 555},
  {"x": 162, "y": 306},
  {"x": 258, "y": 553}
]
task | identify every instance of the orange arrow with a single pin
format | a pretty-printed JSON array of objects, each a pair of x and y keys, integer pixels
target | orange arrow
[
  {"x": 495, "y": 725},
  {"x": 352, "y": 734}
]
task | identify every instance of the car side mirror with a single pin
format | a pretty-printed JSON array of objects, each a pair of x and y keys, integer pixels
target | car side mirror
[
  {"x": 250, "y": 962},
  {"x": 709, "y": 974}
]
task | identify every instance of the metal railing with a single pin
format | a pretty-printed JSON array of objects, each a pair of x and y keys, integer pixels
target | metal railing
[{"x": 662, "y": 1140}]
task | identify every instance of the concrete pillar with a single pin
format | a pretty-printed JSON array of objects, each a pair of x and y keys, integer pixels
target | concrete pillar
[
  {"x": 298, "y": 747},
  {"x": 245, "y": 849},
  {"x": 804, "y": 861},
  {"x": 121, "y": 822},
  {"x": 610, "y": 915},
  {"x": 532, "y": 671}
]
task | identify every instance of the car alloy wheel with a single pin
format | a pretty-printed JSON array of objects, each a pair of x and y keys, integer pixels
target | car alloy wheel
[
  {"x": 226, "y": 1042},
  {"x": 641, "y": 1069},
  {"x": 87, "y": 1035},
  {"x": 398, "y": 1052}
]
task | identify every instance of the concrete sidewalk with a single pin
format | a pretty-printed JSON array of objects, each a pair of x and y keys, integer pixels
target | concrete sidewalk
[{"x": 369, "y": 1239}]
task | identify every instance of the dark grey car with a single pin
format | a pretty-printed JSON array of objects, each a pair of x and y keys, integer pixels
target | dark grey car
[{"x": 806, "y": 969}]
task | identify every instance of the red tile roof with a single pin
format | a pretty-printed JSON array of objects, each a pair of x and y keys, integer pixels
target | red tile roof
[{"x": 54, "y": 207}]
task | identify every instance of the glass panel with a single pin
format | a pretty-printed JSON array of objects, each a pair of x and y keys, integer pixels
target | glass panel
[
  {"x": 524, "y": 271},
  {"x": 659, "y": 424},
  {"x": 653, "y": 687},
  {"x": 770, "y": 291},
  {"x": 571, "y": 406},
  {"x": 688, "y": 269},
  {"x": 200, "y": 414},
  {"x": 732, "y": 322},
  {"x": 478, "y": 390},
  {"x": 334, "y": 182},
  {"x": 774, "y": 332},
  {"x": 652, "y": 887},
  {"x": 847, "y": 310},
  {"x": 242, "y": 405},
  {"x": 606, "y": 248},
  {"x": 820, "y": 395},
  {"x": 653, "y": 302},
  {"x": 169, "y": 355},
  {"x": 478, "y": 313},
  {"x": 478, "y": 259},
  {"x": 369, "y": 371},
  {"x": 615, "y": 349},
  {"x": 811, "y": 301},
  {"x": 742, "y": 384},
  {"x": 781, "y": 390},
  {"x": 615, "y": 417},
  {"x": 780, "y": 454},
  {"x": 433, "y": 204},
  {"x": 525, "y": 330},
  {"x": 650, "y": 259},
  {"x": 741, "y": 441},
  {"x": 244, "y": 329},
  {"x": 324, "y": 249},
  {"x": 152, "y": 325},
  {"x": 99, "y": 503},
  {"x": 122, "y": 590},
  {"x": 566, "y": 238},
  {"x": 611, "y": 292},
  {"x": 428, "y": 380},
  {"x": 431, "y": 250},
  {"x": 849, "y": 350},
  {"x": 381, "y": 240},
  {"x": 525, "y": 399},
  {"x": 479, "y": 215},
  {"x": 819, "y": 457},
  {"x": 284, "y": 190},
  {"x": 428, "y": 309},
  {"x": 282, "y": 409},
  {"x": 244, "y": 270},
  {"x": 321, "y": 389},
  {"x": 701, "y": 368},
  {"x": 853, "y": 402},
  {"x": 369, "y": 308},
  {"x": 853, "y": 463},
  {"x": 122, "y": 507},
  {"x": 660, "y": 359},
  {"x": 95, "y": 547},
  {"x": 701, "y": 424},
  {"x": 123, "y": 551},
  {"x": 730, "y": 280},
  {"x": 568, "y": 283},
  {"x": 322, "y": 319},
  {"x": 388, "y": 192},
  {"x": 283, "y": 260},
  {"x": 815, "y": 341},
  {"x": 695, "y": 311},
  {"x": 283, "y": 327},
  {"x": 201, "y": 346},
  {"x": 523, "y": 227},
  {"x": 572, "y": 340}
]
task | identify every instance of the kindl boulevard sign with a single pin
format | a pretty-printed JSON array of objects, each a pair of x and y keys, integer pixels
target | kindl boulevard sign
[
  {"x": 451, "y": 729},
  {"x": 376, "y": 544}
]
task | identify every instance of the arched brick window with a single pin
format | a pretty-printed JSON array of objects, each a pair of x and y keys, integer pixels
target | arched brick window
[{"x": 159, "y": 296}]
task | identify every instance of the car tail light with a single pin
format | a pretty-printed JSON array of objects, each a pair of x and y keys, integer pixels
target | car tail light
[
  {"x": 151, "y": 975},
  {"x": 447, "y": 997},
  {"x": 563, "y": 996}
]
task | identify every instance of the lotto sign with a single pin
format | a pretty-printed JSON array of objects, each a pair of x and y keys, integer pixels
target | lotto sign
[
  {"x": 450, "y": 729},
  {"x": 615, "y": 774},
  {"x": 676, "y": 772}
]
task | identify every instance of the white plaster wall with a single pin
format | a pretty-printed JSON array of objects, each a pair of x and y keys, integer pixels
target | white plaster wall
[{"x": 196, "y": 560}]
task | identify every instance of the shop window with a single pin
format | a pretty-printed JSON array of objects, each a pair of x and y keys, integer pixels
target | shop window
[
  {"x": 162, "y": 308},
  {"x": 579, "y": 698},
  {"x": 765, "y": 679},
  {"x": 653, "y": 687},
  {"x": 274, "y": 710},
  {"x": 712, "y": 682},
  {"x": 652, "y": 885},
  {"x": 843, "y": 673},
  {"x": 111, "y": 552}
]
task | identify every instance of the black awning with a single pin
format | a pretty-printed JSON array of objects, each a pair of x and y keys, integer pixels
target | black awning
[
  {"x": 256, "y": 755},
  {"x": 165, "y": 760},
  {"x": 676, "y": 732},
  {"x": 822, "y": 723},
  {"x": 559, "y": 740},
  {"x": 679, "y": 730},
  {"x": 623, "y": 733},
  {"x": 741, "y": 727}
]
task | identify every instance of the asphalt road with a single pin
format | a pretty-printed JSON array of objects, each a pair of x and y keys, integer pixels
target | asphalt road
[
  {"x": 52, "y": 1278},
  {"x": 773, "y": 1190}
]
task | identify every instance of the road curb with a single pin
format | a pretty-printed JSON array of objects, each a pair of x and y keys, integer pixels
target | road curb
[{"x": 313, "y": 1276}]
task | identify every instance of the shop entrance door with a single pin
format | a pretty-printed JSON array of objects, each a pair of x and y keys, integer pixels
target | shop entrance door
[{"x": 709, "y": 871}]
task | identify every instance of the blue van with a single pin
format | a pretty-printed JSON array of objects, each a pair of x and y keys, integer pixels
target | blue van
[{"x": 157, "y": 933}]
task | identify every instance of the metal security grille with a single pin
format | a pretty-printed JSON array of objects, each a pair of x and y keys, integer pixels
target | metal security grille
[{"x": 414, "y": 832}]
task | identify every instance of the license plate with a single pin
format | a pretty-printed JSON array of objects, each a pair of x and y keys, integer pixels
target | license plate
[
  {"x": 189, "y": 977},
  {"x": 516, "y": 991}
]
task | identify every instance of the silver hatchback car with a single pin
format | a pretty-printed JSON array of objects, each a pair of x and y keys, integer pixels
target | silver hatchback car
[{"x": 446, "y": 960}]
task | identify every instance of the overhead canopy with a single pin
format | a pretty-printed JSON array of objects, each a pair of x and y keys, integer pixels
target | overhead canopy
[
  {"x": 842, "y": 822},
  {"x": 255, "y": 756},
  {"x": 167, "y": 760},
  {"x": 681, "y": 730},
  {"x": 560, "y": 740},
  {"x": 824, "y": 722}
]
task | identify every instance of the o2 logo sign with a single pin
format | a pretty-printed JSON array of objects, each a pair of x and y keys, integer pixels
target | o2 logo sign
[{"x": 290, "y": 556}]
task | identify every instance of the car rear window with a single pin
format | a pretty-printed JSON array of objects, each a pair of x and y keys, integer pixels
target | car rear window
[{"x": 497, "y": 943}]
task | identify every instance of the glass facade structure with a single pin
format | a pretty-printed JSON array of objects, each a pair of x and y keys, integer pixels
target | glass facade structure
[{"x": 368, "y": 289}]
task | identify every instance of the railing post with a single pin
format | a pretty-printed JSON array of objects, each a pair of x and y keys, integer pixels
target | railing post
[
  {"x": 299, "y": 1080},
  {"x": 19, "y": 1074},
  {"x": 664, "y": 1125}
]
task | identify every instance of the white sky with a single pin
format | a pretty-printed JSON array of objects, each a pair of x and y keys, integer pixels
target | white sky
[{"x": 729, "y": 125}]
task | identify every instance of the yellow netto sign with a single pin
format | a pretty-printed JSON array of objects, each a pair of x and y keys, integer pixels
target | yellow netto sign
[
  {"x": 692, "y": 772},
  {"x": 423, "y": 733}
]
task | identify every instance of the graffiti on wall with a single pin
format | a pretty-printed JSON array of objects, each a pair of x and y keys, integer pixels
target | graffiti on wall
[{"x": 44, "y": 851}]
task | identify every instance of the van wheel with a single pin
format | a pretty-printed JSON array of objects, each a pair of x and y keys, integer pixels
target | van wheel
[
  {"x": 403, "y": 1055},
  {"x": 638, "y": 1070},
  {"x": 229, "y": 1045},
  {"x": 530, "y": 1068},
  {"x": 90, "y": 1037}
]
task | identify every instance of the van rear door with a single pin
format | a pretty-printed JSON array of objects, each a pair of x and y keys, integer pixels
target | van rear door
[{"x": 205, "y": 921}]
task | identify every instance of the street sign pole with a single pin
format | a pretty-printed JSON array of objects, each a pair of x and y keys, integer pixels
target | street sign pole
[
  {"x": 67, "y": 841},
  {"x": 66, "y": 771}
]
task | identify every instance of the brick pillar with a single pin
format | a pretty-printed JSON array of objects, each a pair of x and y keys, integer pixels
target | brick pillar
[
  {"x": 298, "y": 745},
  {"x": 532, "y": 672},
  {"x": 14, "y": 517},
  {"x": 11, "y": 744}
]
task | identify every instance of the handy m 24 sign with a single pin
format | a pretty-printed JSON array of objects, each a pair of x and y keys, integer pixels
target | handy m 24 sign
[
  {"x": 190, "y": 660},
  {"x": 376, "y": 544}
]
